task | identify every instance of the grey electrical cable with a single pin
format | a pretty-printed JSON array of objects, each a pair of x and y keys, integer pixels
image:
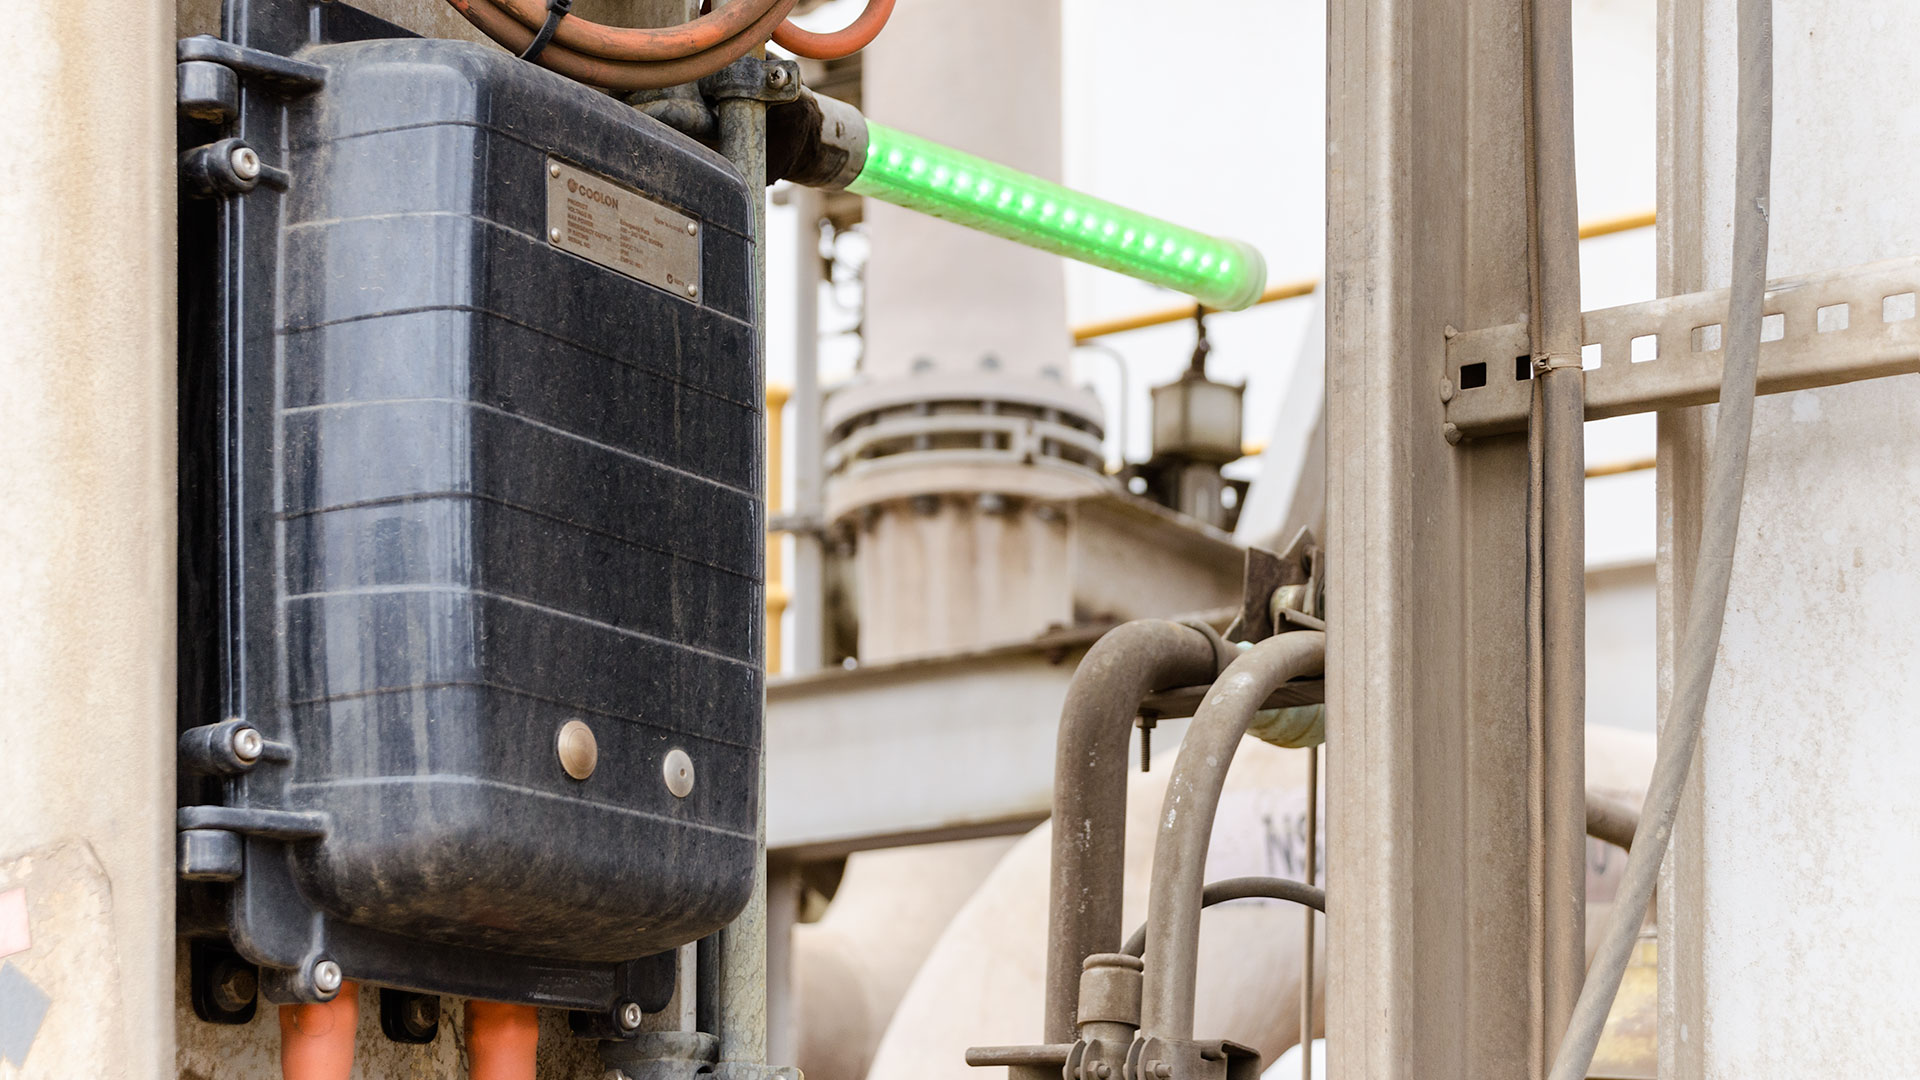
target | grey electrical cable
[
  {"x": 1726, "y": 483},
  {"x": 1243, "y": 888}
]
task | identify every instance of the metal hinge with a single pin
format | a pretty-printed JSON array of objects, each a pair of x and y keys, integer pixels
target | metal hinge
[{"x": 1821, "y": 329}]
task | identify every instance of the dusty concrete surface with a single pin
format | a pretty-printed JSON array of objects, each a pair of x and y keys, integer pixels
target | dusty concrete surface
[{"x": 87, "y": 529}]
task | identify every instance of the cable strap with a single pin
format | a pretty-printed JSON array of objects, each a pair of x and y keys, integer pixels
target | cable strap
[{"x": 556, "y": 10}]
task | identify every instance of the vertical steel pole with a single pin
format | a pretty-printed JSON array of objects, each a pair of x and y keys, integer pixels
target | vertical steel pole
[
  {"x": 1556, "y": 584},
  {"x": 1306, "y": 955},
  {"x": 742, "y": 978}
]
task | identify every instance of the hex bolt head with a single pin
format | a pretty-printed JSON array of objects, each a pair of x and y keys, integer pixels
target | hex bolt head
[
  {"x": 1162, "y": 1070},
  {"x": 327, "y": 976},
  {"x": 247, "y": 744},
  {"x": 677, "y": 769},
  {"x": 553, "y": 170},
  {"x": 235, "y": 986},
  {"x": 245, "y": 163},
  {"x": 1102, "y": 1070},
  {"x": 630, "y": 1016},
  {"x": 553, "y": 234}
]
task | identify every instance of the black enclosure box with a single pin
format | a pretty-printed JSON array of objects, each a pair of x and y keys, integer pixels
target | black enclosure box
[{"x": 472, "y": 436}]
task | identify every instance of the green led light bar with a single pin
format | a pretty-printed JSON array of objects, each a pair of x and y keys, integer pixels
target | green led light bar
[{"x": 942, "y": 182}]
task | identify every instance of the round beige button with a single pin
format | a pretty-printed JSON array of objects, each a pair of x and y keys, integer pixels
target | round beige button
[
  {"x": 678, "y": 771},
  {"x": 579, "y": 751}
]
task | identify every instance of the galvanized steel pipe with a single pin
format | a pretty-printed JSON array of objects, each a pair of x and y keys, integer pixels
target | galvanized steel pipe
[
  {"x": 1090, "y": 794},
  {"x": 1186, "y": 821}
]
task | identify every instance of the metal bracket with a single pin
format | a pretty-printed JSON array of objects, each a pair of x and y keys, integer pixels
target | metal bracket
[
  {"x": 1153, "y": 1058},
  {"x": 754, "y": 79},
  {"x": 282, "y": 75},
  {"x": 1820, "y": 329},
  {"x": 270, "y": 824}
]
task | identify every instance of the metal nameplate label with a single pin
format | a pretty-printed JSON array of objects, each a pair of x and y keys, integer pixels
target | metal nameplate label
[{"x": 619, "y": 228}]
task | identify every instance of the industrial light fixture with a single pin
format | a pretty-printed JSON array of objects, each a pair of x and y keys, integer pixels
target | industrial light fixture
[{"x": 880, "y": 162}]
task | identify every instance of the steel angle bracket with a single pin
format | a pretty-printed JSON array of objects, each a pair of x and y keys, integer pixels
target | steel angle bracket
[{"x": 1820, "y": 329}]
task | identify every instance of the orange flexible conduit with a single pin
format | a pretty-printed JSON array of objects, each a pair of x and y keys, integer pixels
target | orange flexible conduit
[
  {"x": 316, "y": 1041},
  {"x": 622, "y": 58},
  {"x": 501, "y": 1040}
]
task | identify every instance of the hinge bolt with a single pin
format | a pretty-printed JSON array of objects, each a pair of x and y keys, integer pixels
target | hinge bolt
[
  {"x": 326, "y": 976},
  {"x": 246, "y": 163},
  {"x": 247, "y": 745}
]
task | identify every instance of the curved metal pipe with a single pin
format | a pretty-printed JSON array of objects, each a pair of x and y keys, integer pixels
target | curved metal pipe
[
  {"x": 1611, "y": 822},
  {"x": 1090, "y": 793},
  {"x": 1186, "y": 821},
  {"x": 1244, "y": 888}
]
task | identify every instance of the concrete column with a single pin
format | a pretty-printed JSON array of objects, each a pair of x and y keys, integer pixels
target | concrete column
[
  {"x": 87, "y": 540},
  {"x": 1789, "y": 943},
  {"x": 982, "y": 76}
]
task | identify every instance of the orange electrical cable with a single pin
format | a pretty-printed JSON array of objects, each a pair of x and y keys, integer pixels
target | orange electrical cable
[
  {"x": 316, "y": 1041},
  {"x": 640, "y": 43},
  {"x": 501, "y": 1040},
  {"x": 840, "y": 43},
  {"x": 640, "y": 58},
  {"x": 619, "y": 74}
]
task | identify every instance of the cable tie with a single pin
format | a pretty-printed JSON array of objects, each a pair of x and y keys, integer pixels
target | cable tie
[{"x": 556, "y": 10}]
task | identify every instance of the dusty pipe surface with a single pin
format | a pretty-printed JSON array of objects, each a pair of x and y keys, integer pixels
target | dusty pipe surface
[
  {"x": 1090, "y": 794},
  {"x": 742, "y": 976},
  {"x": 1612, "y": 821},
  {"x": 1186, "y": 821},
  {"x": 1557, "y": 521}
]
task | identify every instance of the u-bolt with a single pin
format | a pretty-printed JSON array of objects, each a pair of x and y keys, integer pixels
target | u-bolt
[
  {"x": 501, "y": 1040},
  {"x": 316, "y": 1041}
]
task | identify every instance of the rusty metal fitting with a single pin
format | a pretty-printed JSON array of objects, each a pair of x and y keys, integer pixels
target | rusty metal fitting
[{"x": 1110, "y": 989}]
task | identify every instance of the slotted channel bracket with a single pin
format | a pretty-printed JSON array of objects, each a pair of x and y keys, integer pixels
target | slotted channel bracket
[{"x": 1821, "y": 329}]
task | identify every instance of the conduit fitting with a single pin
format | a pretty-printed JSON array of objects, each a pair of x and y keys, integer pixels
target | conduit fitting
[
  {"x": 1109, "y": 1016},
  {"x": 501, "y": 1040},
  {"x": 316, "y": 1041}
]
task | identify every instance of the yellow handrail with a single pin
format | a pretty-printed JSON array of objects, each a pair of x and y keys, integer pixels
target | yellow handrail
[{"x": 1288, "y": 290}]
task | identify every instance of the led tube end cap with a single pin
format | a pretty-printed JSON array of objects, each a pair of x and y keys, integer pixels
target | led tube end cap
[{"x": 1245, "y": 287}]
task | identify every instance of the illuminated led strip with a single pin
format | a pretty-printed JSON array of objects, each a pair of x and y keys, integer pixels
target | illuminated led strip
[{"x": 911, "y": 172}]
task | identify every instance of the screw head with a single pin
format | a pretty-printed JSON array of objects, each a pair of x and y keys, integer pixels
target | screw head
[
  {"x": 693, "y": 228},
  {"x": 693, "y": 289},
  {"x": 630, "y": 1016},
  {"x": 327, "y": 976},
  {"x": 553, "y": 170},
  {"x": 776, "y": 77},
  {"x": 553, "y": 234},
  {"x": 245, "y": 163},
  {"x": 579, "y": 751},
  {"x": 247, "y": 744},
  {"x": 677, "y": 769}
]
